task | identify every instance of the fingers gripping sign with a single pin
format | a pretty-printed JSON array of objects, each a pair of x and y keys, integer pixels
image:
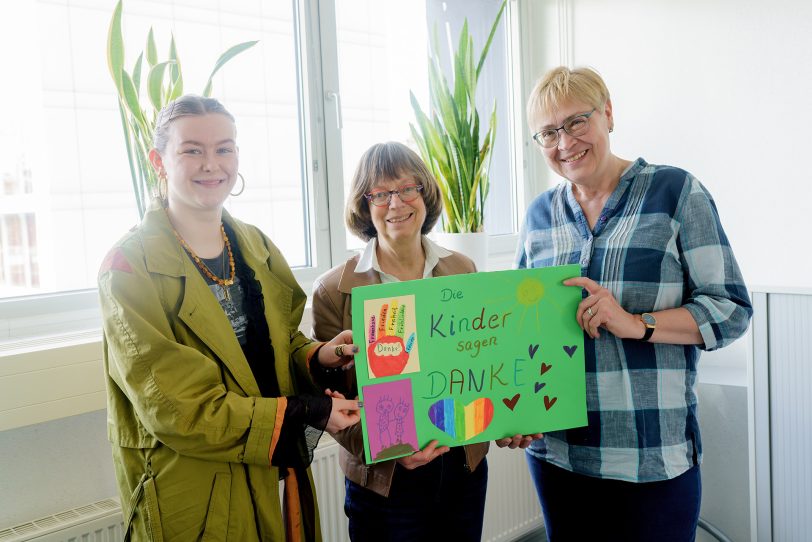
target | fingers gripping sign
[
  {"x": 339, "y": 352},
  {"x": 518, "y": 441},
  {"x": 600, "y": 310},
  {"x": 343, "y": 414},
  {"x": 424, "y": 456}
]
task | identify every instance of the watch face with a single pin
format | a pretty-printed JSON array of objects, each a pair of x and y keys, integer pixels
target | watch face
[{"x": 648, "y": 319}]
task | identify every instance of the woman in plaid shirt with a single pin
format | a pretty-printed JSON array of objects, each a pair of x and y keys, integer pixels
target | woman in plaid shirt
[{"x": 660, "y": 284}]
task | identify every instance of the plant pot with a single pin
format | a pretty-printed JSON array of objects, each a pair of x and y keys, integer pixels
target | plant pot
[{"x": 473, "y": 245}]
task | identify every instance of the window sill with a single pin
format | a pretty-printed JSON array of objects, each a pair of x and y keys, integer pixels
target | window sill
[{"x": 52, "y": 380}]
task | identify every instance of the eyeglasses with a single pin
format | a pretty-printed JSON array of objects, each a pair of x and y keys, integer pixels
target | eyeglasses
[
  {"x": 406, "y": 193},
  {"x": 576, "y": 126}
]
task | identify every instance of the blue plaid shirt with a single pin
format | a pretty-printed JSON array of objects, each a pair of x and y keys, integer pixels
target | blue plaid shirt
[{"x": 658, "y": 244}]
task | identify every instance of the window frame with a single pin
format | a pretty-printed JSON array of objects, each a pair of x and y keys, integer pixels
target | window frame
[{"x": 59, "y": 312}]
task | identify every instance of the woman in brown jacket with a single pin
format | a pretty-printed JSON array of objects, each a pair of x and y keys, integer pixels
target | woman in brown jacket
[{"x": 436, "y": 493}]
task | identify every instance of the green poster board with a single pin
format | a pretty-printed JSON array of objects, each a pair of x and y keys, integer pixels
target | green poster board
[{"x": 468, "y": 358}]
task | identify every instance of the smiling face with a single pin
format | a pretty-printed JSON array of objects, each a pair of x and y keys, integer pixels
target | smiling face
[
  {"x": 200, "y": 160},
  {"x": 399, "y": 221},
  {"x": 584, "y": 159}
]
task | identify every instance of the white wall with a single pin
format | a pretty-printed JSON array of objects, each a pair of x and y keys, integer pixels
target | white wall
[
  {"x": 54, "y": 466},
  {"x": 719, "y": 88}
]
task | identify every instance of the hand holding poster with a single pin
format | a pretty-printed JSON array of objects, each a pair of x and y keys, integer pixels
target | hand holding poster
[{"x": 468, "y": 358}]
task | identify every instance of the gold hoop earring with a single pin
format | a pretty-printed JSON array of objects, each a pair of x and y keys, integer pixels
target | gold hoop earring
[
  {"x": 162, "y": 187},
  {"x": 242, "y": 189}
]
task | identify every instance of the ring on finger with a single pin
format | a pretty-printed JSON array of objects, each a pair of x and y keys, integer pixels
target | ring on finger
[
  {"x": 339, "y": 350},
  {"x": 589, "y": 312}
]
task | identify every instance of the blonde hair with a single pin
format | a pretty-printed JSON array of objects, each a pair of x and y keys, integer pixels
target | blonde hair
[
  {"x": 562, "y": 84},
  {"x": 383, "y": 162}
]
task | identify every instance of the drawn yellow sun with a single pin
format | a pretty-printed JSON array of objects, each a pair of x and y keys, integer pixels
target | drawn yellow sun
[{"x": 529, "y": 292}]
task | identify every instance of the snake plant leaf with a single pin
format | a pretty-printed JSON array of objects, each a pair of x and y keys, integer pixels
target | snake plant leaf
[
  {"x": 469, "y": 74},
  {"x": 152, "y": 51},
  {"x": 176, "y": 91},
  {"x": 137, "y": 190},
  {"x": 430, "y": 135},
  {"x": 131, "y": 97},
  {"x": 175, "y": 74},
  {"x": 460, "y": 59},
  {"x": 487, "y": 46},
  {"x": 137, "y": 74},
  {"x": 155, "y": 81},
  {"x": 115, "y": 47},
  {"x": 225, "y": 57},
  {"x": 441, "y": 99}
]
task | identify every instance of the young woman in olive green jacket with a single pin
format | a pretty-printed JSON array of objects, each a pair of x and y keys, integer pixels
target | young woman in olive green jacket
[{"x": 207, "y": 374}]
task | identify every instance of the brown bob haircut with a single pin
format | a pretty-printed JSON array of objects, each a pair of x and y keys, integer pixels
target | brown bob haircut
[{"x": 380, "y": 163}]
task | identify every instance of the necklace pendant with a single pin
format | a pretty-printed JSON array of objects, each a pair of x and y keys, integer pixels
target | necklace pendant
[{"x": 226, "y": 292}]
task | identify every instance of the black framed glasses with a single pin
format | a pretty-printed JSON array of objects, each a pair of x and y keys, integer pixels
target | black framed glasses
[
  {"x": 406, "y": 193},
  {"x": 575, "y": 126}
]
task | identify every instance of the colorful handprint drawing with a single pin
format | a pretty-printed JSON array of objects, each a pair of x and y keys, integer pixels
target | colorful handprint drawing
[{"x": 391, "y": 339}]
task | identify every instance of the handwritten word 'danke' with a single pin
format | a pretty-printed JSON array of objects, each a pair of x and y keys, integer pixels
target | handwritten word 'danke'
[
  {"x": 389, "y": 349},
  {"x": 473, "y": 380}
]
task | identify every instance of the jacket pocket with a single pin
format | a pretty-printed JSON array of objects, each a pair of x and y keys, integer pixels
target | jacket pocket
[{"x": 217, "y": 514}]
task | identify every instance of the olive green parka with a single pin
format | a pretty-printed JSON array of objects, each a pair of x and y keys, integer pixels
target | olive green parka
[{"x": 191, "y": 435}]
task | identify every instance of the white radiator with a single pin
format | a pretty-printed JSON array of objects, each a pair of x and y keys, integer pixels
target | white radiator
[
  {"x": 781, "y": 416},
  {"x": 330, "y": 491},
  {"x": 96, "y": 522},
  {"x": 511, "y": 508}
]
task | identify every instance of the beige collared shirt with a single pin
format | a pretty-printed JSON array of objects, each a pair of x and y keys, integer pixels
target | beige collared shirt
[{"x": 369, "y": 259}]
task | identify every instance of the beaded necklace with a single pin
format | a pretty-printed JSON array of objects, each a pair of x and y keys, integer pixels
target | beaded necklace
[{"x": 223, "y": 283}]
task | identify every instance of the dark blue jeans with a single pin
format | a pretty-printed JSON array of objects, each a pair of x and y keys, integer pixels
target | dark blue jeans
[
  {"x": 578, "y": 507},
  {"x": 438, "y": 501}
]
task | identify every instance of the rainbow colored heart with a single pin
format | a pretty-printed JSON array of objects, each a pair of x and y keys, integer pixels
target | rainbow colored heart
[{"x": 462, "y": 422}]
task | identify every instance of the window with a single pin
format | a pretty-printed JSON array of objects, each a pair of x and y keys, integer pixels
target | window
[
  {"x": 382, "y": 55},
  {"x": 328, "y": 79}
]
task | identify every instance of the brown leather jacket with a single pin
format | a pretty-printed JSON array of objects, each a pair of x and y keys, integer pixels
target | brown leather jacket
[{"x": 331, "y": 314}]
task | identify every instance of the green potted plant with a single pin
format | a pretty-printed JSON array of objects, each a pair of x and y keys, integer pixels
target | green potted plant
[
  {"x": 449, "y": 141},
  {"x": 139, "y": 110}
]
